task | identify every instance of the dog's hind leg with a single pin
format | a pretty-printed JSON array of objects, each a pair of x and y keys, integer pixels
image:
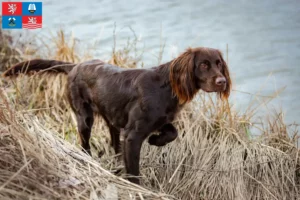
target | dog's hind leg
[
  {"x": 80, "y": 101},
  {"x": 85, "y": 120},
  {"x": 115, "y": 138}
]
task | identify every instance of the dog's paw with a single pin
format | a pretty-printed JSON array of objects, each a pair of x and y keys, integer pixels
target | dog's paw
[
  {"x": 153, "y": 140},
  {"x": 87, "y": 151}
]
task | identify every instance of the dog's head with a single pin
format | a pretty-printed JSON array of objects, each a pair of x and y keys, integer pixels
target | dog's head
[{"x": 199, "y": 68}]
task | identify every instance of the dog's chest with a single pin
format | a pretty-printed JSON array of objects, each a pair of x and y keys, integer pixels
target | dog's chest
[{"x": 172, "y": 109}]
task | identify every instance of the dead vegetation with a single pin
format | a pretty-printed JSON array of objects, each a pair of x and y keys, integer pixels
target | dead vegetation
[{"x": 213, "y": 158}]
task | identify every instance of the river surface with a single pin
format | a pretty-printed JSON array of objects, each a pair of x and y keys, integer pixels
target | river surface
[{"x": 263, "y": 39}]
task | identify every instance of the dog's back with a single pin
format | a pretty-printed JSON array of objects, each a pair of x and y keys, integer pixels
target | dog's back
[{"x": 106, "y": 88}]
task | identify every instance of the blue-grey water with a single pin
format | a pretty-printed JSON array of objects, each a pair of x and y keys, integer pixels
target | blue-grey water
[{"x": 263, "y": 38}]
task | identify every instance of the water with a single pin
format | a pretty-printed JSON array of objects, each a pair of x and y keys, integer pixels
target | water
[{"x": 263, "y": 38}]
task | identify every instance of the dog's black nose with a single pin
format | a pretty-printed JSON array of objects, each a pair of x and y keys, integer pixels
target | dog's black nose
[{"x": 220, "y": 81}]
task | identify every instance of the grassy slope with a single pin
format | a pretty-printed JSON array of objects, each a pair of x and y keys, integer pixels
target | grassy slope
[{"x": 213, "y": 158}]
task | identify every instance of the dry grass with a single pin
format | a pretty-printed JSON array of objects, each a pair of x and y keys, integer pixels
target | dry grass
[
  {"x": 8, "y": 54},
  {"x": 213, "y": 158}
]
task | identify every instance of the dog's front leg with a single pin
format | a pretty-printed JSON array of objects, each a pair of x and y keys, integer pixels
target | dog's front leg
[{"x": 131, "y": 150}]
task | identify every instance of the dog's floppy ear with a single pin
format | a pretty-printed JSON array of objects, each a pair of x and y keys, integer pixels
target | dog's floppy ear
[
  {"x": 182, "y": 76},
  {"x": 225, "y": 94}
]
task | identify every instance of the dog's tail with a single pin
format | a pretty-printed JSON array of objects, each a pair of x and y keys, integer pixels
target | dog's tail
[{"x": 52, "y": 66}]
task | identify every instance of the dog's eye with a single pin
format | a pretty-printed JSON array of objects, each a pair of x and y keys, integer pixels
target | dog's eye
[
  {"x": 203, "y": 66},
  {"x": 206, "y": 62},
  {"x": 219, "y": 65}
]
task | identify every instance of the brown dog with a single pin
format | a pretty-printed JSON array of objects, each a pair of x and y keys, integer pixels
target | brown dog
[{"x": 136, "y": 101}]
